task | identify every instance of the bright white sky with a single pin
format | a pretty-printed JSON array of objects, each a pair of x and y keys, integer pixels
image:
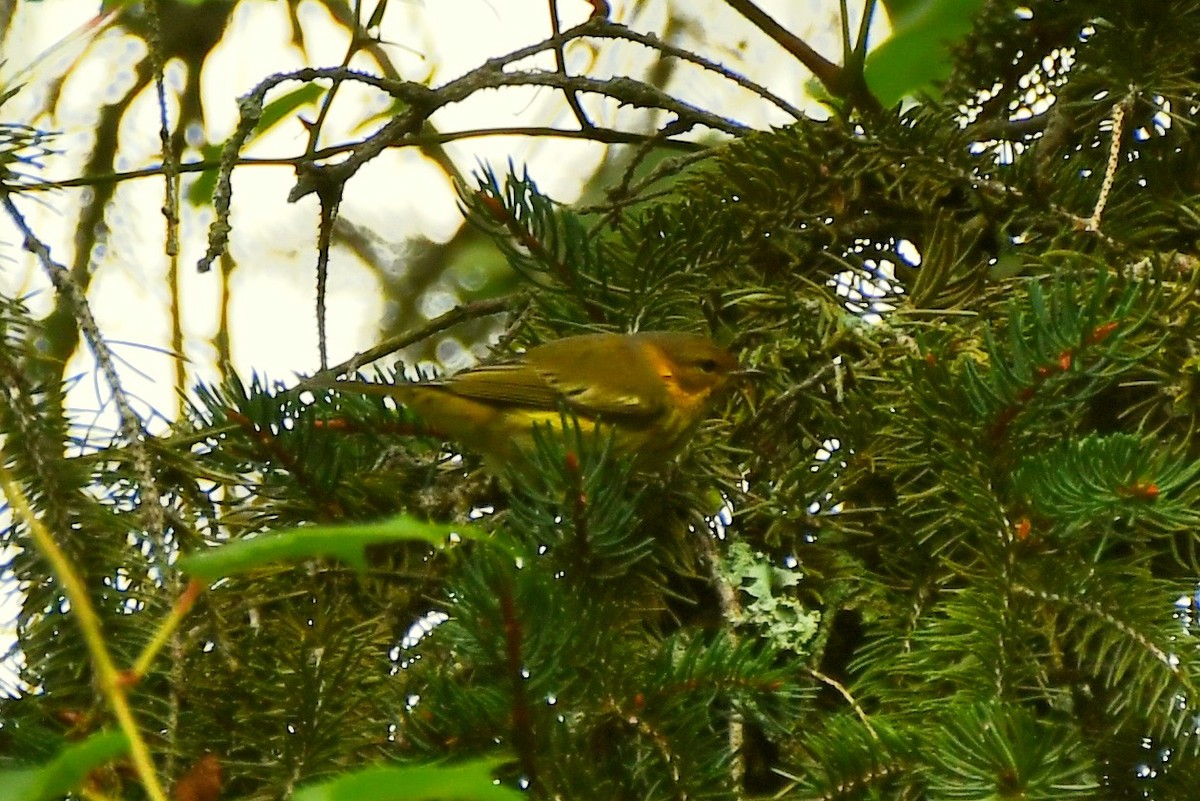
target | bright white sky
[{"x": 397, "y": 197}]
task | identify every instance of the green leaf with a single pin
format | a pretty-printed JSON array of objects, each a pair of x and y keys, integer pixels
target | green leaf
[
  {"x": 200, "y": 190},
  {"x": 345, "y": 542},
  {"x": 282, "y": 107},
  {"x": 65, "y": 772},
  {"x": 465, "y": 781},
  {"x": 918, "y": 53}
]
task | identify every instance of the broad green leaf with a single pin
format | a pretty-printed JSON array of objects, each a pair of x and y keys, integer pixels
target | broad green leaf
[
  {"x": 65, "y": 772},
  {"x": 345, "y": 542},
  {"x": 918, "y": 52},
  {"x": 464, "y": 781}
]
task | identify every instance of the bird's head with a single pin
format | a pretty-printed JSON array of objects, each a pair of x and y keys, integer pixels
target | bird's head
[{"x": 695, "y": 368}]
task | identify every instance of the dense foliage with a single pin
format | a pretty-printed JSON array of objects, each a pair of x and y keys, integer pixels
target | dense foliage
[{"x": 944, "y": 546}]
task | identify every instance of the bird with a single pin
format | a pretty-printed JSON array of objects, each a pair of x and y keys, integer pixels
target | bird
[{"x": 649, "y": 390}]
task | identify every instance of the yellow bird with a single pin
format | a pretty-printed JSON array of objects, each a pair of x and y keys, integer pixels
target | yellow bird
[{"x": 650, "y": 389}]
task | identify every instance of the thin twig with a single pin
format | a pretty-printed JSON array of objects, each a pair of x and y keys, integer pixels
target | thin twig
[
  {"x": 829, "y": 74},
  {"x": 459, "y": 314},
  {"x": 421, "y": 103},
  {"x": 467, "y": 311},
  {"x": 521, "y": 715},
  {"x": 170, "y": 211},
  {"x": 130, "y": 424},
  {"x": 606, "y": 136},
  {"x": 731, "y": 613},
  {"x": 166, "y": 631},
  {"x": 1114, "y": 160},
  {"x": 864, "y": 32},
  {"x": 560, "y": 64},
  {"x": 170, "y": 168},
  {"x": 331, "y": 199},
  {"x": 614, "y": 30},
  {"x": 845, "y": 693},
  {"x": 331, "y": 196},
  {"x": 838, "y": 81},
  {"x": 847, "y": 46},
  {"x": 629, "y": 192}
]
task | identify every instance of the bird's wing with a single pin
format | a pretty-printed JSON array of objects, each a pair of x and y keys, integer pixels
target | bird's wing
[
  {"x": 600, "y": 376},
  {"x": 604, "y": 399},
  {"x": 573, "y": 383},
  {"x": 514, "y": 384}
]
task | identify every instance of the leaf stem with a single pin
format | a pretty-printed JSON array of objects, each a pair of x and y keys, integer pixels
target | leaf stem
[
  {"x": 165, "y": 630},
  {"x": 109, "y": 678}
]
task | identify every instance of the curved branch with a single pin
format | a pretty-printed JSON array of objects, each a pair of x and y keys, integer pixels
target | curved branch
[
  {"x": 423, "y": 102},
  {"x": 845, "y": 81},
  {"x": 829, "y": 74},
  {"x": 614, "y": 30}
]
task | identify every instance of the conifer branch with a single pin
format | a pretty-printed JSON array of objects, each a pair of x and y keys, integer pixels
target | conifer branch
[
  {"x": 109, "y": 679},
  {"x": 165, "y": 631},
  {"x": 521, "y": 715}
]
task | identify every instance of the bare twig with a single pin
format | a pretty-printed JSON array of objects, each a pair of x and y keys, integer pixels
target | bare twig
[
  {"x": 864, "y": 31},
  {"x": 731, "y": 613},
  {"x": 845, "y": 693},
  {"x": 170, "y": 211},
  {"x": 130, "y": 423},
  {"x": 421, "y": 139},
  {"x": 170, "y": 169},
  {"x": 829, "y": 74},
  {"x": 165, "y": 634},
  {"x": 628, "y": 190},
  {"x": 331, "y": 194},
  {"x": 560, "y": 64},
  {"x": 423, "y": 102},
  {"x": 331, "y": 199},
  {"x": 459, "y": 314},
  {"x": 838, "y": 81},
  {"x": 520, "y": 713},
  {"x": 615, "y": 30}
]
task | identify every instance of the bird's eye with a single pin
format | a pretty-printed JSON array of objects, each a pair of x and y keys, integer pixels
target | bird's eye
[{"x": 707, "y": 365}]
